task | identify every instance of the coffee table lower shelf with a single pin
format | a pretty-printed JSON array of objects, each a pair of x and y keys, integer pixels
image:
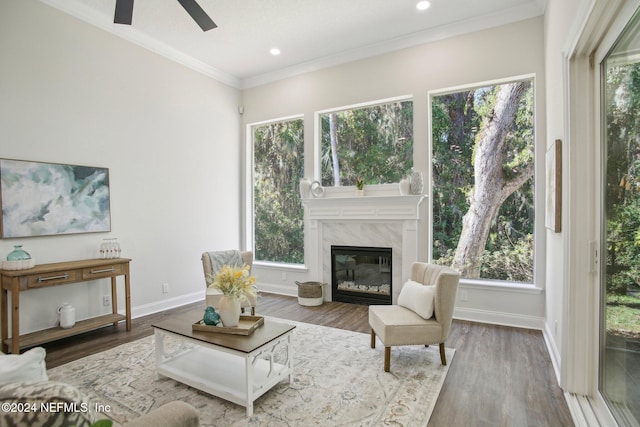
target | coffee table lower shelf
[{"x": 232, "y": 375}]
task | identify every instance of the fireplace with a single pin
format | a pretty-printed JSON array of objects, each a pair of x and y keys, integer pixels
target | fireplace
[{"x": 361, "y": 275}]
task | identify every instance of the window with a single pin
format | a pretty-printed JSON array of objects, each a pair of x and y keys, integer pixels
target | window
[
  {"x": 482, "y": 181},
  {"x": 278, "y": 165},
  {"x": 620, "y": 274},
  {"x": 373, "y": 142}
]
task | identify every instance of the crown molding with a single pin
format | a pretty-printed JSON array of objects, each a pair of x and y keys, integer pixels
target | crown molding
[
  {"x": 514, "y": 14},
  {"x": 134, "y": 36}
]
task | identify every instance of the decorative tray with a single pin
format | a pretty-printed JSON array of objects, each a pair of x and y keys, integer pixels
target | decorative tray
[{"x": 246, "y": 326}]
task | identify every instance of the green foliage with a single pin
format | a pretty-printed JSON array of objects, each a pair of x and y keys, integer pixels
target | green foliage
[
  {"x": 457, "y": 120},
  {"x": 278, "y": 212},
  {"x": 622, "y": 186},
  {"x": 374, "y": 143},
  {"x": 623, "y": 319},
  {"x": 455, "y": 123},
  {"x": 510, "y": 261}
]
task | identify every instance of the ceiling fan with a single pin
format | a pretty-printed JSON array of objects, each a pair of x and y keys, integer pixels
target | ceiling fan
[{"x": 124, "y": 13}]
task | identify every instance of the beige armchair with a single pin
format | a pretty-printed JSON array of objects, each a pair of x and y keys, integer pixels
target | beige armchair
[
  {"x": 398, "y": 325},
  {"x": 213, "y": 295}
]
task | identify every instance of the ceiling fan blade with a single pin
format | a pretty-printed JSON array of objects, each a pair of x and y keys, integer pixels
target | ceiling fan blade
[
  {"x": 124, "y": 12},
  {"x": 198, "y": 14}
]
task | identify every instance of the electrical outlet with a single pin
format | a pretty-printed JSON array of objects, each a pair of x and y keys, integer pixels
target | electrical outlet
[
  {"x": 106, "y": 300},
  {"x": 165, "y": 288},
  {"x": 284, "y": 276},
  {"x": 464, "y": 296}
]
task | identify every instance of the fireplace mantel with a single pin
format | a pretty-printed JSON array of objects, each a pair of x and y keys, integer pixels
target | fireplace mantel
[
  {"x": 366, "y": 207},
  {"x": 376, "y": 220}
]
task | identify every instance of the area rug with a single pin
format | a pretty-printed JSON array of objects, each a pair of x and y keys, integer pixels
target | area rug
[{"x": 338, "y": 381}]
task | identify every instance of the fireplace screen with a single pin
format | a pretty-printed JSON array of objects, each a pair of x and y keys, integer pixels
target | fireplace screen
[{"x": 361, "y": 275}]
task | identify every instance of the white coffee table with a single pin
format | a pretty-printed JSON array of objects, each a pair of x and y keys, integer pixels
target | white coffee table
[{"x": 236, "y": 368}]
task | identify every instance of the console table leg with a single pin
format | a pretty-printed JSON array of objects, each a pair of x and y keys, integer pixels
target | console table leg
[
  {"x": 15, "y": 321},
  {"x": 114, "y": 299},
  {"x": 4, "y": 325},
  {"x": 127, "y": 296}
]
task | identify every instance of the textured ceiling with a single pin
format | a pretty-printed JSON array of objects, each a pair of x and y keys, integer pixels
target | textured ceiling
[{"x": 311, "y": 34}]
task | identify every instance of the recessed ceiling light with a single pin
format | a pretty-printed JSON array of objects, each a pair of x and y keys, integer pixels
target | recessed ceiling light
[
  {"x": 423, "y": 5},
  {"x": 275, "y": 51}
]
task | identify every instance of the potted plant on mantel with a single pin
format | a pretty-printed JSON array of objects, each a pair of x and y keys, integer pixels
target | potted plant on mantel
[
  {"x": 236, "y": 285},
  {"x": 359, "y": 187}
]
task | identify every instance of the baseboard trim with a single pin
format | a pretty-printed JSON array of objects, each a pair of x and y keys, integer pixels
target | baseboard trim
[
  {"x": 470, "y": 314},
  {"x": 554, "y": 354},
  {"x": 474, "y": 315},
  {"x": 498, "y": 318},
  {"x": 279, "y": 289},
  {"x": 166, "y": 304}
]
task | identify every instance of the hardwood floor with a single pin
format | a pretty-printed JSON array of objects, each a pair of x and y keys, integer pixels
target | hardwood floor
[{"x": 499, "y": 376}]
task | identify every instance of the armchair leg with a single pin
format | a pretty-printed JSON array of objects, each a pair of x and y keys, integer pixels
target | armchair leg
[
  {"x": 443, "y": 356},
  {"x": 387, "y": 359},
  {"x": 373, "y": 339}
]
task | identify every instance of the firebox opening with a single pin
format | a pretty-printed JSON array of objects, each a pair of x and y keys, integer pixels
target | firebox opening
[{"x": 361, "y": 275}]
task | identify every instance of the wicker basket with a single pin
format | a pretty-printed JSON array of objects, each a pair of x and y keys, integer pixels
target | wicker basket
[{"x": 310, "y": 293}]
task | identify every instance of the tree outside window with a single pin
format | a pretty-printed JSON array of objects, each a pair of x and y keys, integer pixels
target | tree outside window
[
  {"x": 278, "y": 214},
  {"x": 483, "y": 174},
  {"x": 374, "y": 143}
]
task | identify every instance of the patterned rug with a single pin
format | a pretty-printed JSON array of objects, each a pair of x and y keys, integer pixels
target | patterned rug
[{"x": 338, "y": 381}]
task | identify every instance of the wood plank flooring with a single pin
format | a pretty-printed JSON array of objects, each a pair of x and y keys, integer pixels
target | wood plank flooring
[{"x": 499, "y": 376}]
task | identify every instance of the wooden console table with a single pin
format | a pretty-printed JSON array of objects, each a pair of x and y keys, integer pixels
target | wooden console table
[{"x": 60, "y": 273}]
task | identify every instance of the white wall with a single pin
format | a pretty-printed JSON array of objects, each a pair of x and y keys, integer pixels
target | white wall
[
  {"x": 498, "y": 53},
  {"x": 71, "y": 93},
  {"x": 559, "y": 29}
]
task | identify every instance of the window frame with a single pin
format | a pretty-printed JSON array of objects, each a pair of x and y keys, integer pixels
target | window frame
[
  {"x": 249, "y": 191},
  {"x": 539, "y": 234},
  {"x": 317, "y": 124}
]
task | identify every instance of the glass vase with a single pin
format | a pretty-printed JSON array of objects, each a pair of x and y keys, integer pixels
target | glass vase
[{"x": 18, "y": 254}]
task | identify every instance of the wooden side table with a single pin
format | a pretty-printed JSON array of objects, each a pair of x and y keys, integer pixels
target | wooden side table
[{"x": 61, "y": 273}]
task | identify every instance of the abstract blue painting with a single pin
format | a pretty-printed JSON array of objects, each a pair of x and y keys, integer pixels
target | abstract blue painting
[{"x": 44, "y": 199}]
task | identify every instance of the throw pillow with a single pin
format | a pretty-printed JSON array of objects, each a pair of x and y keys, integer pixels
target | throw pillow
[
  {"x": 27, "y": 367},
  {"x": 417, "y": 298}
]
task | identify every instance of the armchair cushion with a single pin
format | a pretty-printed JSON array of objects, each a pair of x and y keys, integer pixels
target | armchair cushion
[
  {"x": 26, "y": 367},
  {"x": 417, "y": 298},
  {"x": 396, "y": 325}
]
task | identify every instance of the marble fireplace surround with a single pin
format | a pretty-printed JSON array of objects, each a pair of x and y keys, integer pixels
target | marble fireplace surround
[{"x": 376, "y": 220}]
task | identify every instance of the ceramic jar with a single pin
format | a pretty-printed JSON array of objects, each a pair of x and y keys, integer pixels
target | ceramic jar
[
  {"x": 67, "y": 316},
  {"x": 405, "y": 187},
  {"x": 305, "y": 188},
  {"x": 417, "y": 183},
  {"x": 229, "y": 311}
]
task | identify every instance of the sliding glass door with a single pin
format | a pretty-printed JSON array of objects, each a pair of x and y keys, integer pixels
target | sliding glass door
[{"x": 619, "y": 381}]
